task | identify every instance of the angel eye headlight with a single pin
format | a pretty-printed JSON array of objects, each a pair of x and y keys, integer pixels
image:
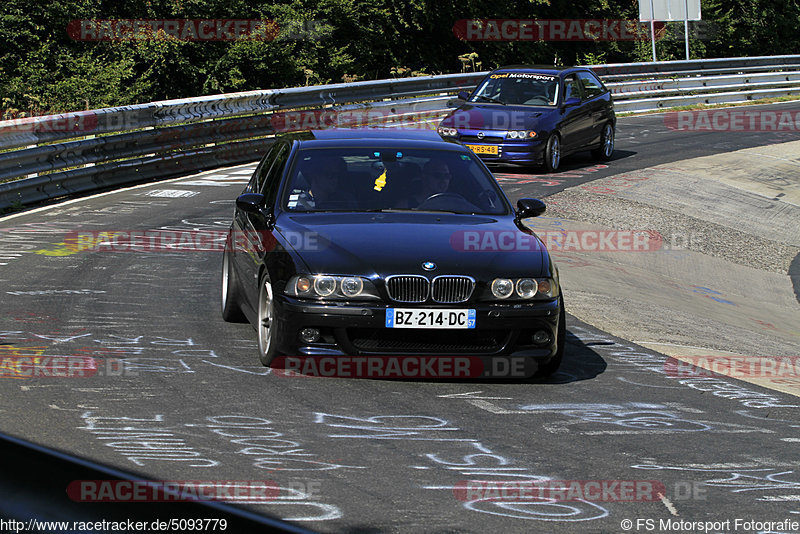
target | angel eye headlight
[
  {"x": 352, "y": 287},
  {"x": 502, "y": 288},
  {"x": 526, "y": 288},
  {"x": 324, "y": 285}
]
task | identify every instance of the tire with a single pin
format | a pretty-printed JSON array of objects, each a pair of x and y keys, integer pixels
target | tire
[
  {"x": 606, "y": 149},
  {"x": 265, "y": 325},
  {"x": 561, "y": 337},
  {"x": 552, "y": 153},
  {"x": 231, "y": 311}
]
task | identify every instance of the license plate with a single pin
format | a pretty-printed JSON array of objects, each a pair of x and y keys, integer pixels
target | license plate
[
  {"x": 420, "y": 318},
  {"x": 484, "y": 149}
]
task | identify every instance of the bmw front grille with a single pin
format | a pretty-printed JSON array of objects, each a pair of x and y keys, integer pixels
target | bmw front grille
[
  {"x": 449, "y": 289},
  {"x": 407, "y": 288},
  {"x": 446, "y": 289}
]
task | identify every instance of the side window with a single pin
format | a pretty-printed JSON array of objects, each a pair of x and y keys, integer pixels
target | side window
[
  {"x": 572, "y": 88},
  {"x": 257, "y": 181},
  {"x": 591, "y": 85},
  {"x": 272, "y": 176}
]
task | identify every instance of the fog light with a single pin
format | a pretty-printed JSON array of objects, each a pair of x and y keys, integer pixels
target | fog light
[
  {"x": 540, "y": 337},
  {"x": 309, "y": 335}
]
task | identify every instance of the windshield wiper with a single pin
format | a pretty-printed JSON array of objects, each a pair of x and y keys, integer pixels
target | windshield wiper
[{"x": 490, "y": 99}]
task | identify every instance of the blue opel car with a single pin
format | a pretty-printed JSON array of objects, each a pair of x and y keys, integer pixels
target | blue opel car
[{"x": 534, "y": 115}]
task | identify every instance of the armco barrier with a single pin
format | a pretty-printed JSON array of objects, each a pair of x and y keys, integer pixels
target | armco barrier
[{"x": 51, "y": 156}]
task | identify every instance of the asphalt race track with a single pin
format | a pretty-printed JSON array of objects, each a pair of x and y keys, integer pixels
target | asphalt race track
[{"x": 179, "y": 394}]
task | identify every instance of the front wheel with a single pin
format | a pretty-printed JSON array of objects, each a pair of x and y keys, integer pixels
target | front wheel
[
  {"x": 606, "y": 149},
  {"x": 552, "y": 153},
  {"x": 561, "y": 338},
  {"x": 231, "y": 311},
  {"x": 266, "y": 326}
]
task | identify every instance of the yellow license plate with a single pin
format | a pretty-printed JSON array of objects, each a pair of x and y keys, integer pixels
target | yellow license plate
[{"x": 484, "y": 149}]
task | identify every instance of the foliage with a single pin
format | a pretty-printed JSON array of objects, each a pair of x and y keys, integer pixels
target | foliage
[{"x": 42, "y": 69}]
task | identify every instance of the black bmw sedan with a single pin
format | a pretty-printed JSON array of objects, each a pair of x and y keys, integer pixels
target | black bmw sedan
[{"x": 388, "y": 242}]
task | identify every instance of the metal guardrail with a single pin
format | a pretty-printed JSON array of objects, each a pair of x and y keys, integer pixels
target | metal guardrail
[
  {"x": 619, "y": 71},
  {"x": 99, "y": 149},
  {"x": 640, "y": 87}
]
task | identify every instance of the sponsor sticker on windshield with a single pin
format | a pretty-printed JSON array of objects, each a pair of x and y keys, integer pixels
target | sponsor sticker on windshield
[{"x": 526, "y": 75}]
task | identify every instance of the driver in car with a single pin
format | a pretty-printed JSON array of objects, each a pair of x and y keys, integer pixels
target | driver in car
[
  {"x": 325, "y": 176},
  {"x": 435, "y": 179}
]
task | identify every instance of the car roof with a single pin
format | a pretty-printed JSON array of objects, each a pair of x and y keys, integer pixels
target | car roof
[
  {"x": 542, "y": 69},
  {"x": 332, "y": 137},
  {"x": 376, "y": 133}
]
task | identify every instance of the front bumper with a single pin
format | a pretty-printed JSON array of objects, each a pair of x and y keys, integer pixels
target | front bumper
[
  {"x": 359, "y": 329},
  {"x": 522, "y": 152}
]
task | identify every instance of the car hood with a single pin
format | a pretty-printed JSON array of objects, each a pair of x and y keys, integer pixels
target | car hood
[
  {"x": 497, "y": 117},
  {"x": 380, "y": 244}
]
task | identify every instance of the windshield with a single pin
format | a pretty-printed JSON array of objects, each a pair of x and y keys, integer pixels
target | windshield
[
  {"x": 369, "y": 179},
  {"x": 518, "y": 88}
]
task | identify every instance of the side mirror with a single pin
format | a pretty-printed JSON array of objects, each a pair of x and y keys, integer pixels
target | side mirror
[
  {"x": 463, "y": 95},
  {"x": 530, "y": 207},
  {"x": 572, "y": 101},
  {"x": 251, "y": 202}
]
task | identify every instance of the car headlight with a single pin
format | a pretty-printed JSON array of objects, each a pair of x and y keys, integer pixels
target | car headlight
[
  {"x": 502, "y": 288},
  {"x": 521, "y": 134},
  {"x": 447, "y": 131},
  {"x": 527, "y": 288},
  {"x": 323, "y": 286},
  {"x": 522, "y": 289},
  {"x": 352, "y": 286}
]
